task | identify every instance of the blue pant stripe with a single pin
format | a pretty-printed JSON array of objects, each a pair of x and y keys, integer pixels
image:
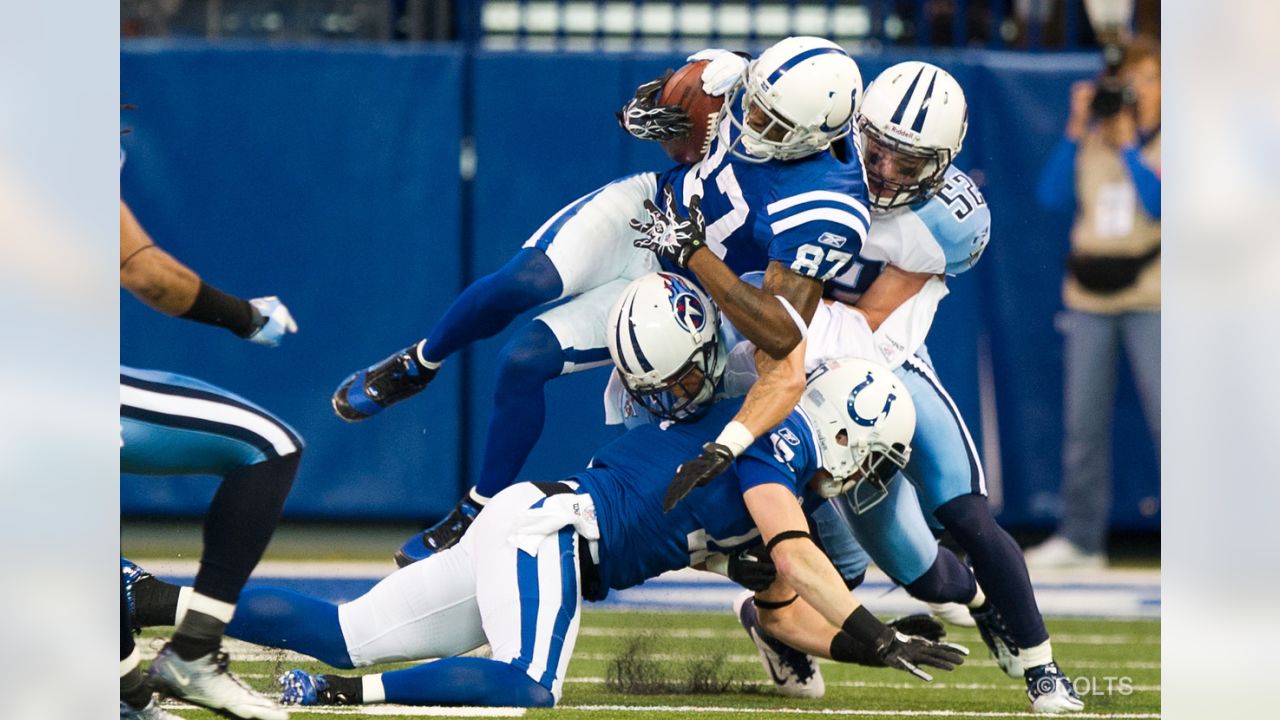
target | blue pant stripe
[
  {"x": 527, "y": 582},
  {"x": 975, "y": 467},
  {"x": 545, "y": 239},
  {"x": 568, "y": 605}
]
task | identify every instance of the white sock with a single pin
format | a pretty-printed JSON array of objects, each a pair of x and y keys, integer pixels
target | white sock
[
  {"x": 223, "y": 611},
  {"x": 372, "y": 690},
  {"x": 423, "y": 361},
  {"x": 477, "y": 498},
  {"x": 184, "y": 602},
  {"x": 131, "y": 662},
  {"x": 979, "y": 598},
  {"x": 1041, "y": 654}
]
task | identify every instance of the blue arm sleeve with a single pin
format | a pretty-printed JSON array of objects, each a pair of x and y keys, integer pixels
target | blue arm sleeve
[
  {"x": 1145, "y": 180},
  {"x": 1057, "y": 187}
]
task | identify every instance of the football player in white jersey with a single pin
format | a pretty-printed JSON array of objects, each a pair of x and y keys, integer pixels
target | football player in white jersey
[{"x": 930, "y": 221}]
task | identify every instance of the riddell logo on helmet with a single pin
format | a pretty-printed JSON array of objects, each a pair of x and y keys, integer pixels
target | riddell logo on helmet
[{"x": 896, "y": 129}]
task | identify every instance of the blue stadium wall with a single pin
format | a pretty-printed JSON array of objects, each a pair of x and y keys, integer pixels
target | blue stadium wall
[{"x": 329, "y": 175}]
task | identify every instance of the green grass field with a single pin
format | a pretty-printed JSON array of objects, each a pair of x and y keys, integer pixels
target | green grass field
[{"x": 1116, "y": 664}]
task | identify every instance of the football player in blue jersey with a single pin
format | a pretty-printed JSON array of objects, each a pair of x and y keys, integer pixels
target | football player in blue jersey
[
  {"x": 176, "y": 425},
  {"x": 930, "y": 220},
  {"x": 517, "y": 579},
  {"x": 772, "y": 184}
]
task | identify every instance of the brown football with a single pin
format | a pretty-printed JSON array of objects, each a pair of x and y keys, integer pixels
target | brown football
[{"x": 685, "y": 89}]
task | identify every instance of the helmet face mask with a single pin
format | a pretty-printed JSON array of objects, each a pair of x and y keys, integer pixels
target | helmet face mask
[
  {"x": 913, "y": 121},
  {"x": 899, "y": 173},
  {"x": 685, "y": 394}
]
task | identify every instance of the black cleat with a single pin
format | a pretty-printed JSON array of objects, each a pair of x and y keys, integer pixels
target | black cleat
[
  {"x": 365, "y": 393},
  {"x": 441, "y": 536}
]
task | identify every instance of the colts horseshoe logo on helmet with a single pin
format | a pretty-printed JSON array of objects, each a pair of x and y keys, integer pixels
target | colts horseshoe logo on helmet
[{"x": 853, "y": 399}]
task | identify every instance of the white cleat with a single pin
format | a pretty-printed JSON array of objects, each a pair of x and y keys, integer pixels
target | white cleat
[
  {"x": 1059, "y": 553},
  {"x": 1051, "y": 691},
  {"x": 206, "y": 682},
  {"x": 794, "y": 673},
  {"x": 152, "y": 711},
  {"x": 952, "y": 614}
]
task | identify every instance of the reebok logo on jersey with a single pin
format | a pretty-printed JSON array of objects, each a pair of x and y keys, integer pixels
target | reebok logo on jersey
[{"x": 832, "y": 239}]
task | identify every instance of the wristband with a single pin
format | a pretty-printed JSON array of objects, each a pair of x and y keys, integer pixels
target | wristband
[
  {"x": 736, "y": 437},
  {"x": 772, "y": 604},
  {"x": 214, "y": 307},
  {"x": 847, "y": 650},
  {"x": 718, "y": 563},
  {"x": 863, "y": 627}
]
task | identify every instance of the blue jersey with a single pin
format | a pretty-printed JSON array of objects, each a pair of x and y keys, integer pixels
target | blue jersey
[
  {"x": 808, "y": 214},
  {"x": 629, "y": 478},
  {"x": 944, "y": 234}
]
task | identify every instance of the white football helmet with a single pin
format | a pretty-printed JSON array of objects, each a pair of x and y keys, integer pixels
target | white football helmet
[
  {"x": 797, "y": 98},
  {"x": 664, "y": 338},
  {"x": 863, "y": 420},
  {"x": 913, "y": 121}
]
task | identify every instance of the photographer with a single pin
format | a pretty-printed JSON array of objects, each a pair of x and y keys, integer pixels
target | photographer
[{"x": 1106, "y": 171}]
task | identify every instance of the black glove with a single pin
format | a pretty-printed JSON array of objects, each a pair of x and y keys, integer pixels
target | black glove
[
  {"x": 865, "y": 640},
  {"x": 752, "y": 569},
  {"x": 921, "y": 625},
  {"x": 644, "y": 119},
  {"x": 715, "y": 459},
  {"x": 908, "y": 652},
  {"x": 668, "y": 234}
]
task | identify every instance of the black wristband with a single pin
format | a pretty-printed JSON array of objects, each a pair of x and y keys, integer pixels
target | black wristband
[
  {"x": 773, "y": 605},
  {"x": 863, "y": 627},
  {"x": 847, "y": 650},
  {"x": 214, "y": 307}
]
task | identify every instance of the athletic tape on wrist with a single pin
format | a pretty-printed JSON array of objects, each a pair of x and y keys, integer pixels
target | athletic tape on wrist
[
  {"x": 795, "y": 316},
  {"x": 736, "y": 437}
]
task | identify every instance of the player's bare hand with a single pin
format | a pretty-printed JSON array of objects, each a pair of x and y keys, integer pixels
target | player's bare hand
[{"x": 713, "y": 461}]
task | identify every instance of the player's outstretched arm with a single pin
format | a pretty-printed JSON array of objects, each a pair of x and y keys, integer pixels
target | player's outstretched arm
[
  {"x": 773, "y": 317},
  {"x": 163, "y": 283},
  {"x": 800, "y": 564}
]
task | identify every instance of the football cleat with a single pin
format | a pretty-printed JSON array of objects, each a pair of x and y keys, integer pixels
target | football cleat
[
  {"x": 206, "y": 682},
  {"x": 1059, "y": 553},
  {"x": 441, "y": 536},
  {"x": 130, "y": 575},
  {"x": 299, "y": 687},
  {"x": 1051, "y": 691},
  {"x": 367, "y": 392},
  {"x": 794, "y": 673},
  {"x": 995, "y": 634},
  {"x": 152, "y": 711}
]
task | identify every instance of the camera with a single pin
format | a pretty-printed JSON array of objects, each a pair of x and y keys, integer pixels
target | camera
[{"x": 1113, "y": 94}]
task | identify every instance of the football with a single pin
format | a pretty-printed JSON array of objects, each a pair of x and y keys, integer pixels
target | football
[{"x": 684, "y": 88}]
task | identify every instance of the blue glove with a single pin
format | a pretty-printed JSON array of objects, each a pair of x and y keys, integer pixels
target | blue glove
[{"x": 276, "y": 321}]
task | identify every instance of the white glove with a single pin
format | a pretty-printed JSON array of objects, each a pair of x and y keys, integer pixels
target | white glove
[
  {"x": 276, "y": 321},
  {"x": 722, "y": 72}
]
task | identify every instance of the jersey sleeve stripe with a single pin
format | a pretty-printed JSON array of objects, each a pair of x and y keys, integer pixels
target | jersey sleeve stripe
[
  {"x": 857, "y": 224},
  {"x": 820, "y": 195}
]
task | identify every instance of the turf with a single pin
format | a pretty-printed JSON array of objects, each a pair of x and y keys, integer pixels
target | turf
[{"x": 1116, "y": 664}]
